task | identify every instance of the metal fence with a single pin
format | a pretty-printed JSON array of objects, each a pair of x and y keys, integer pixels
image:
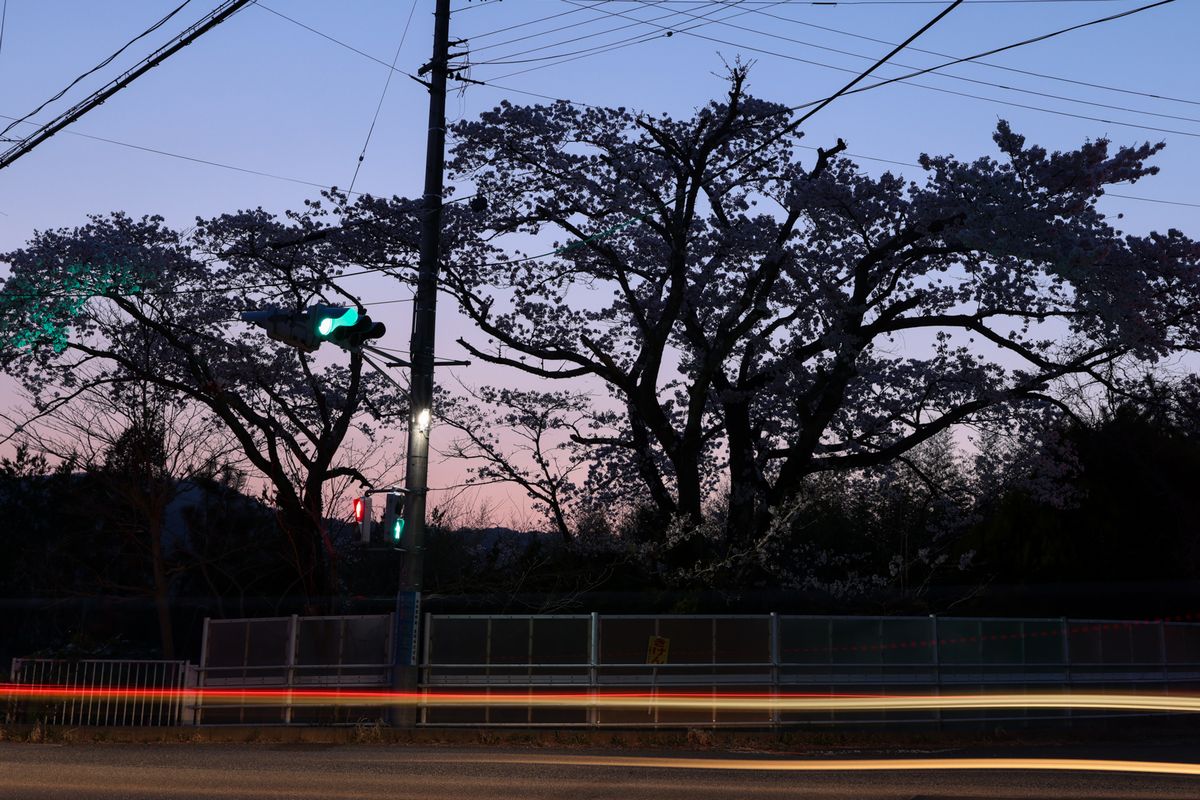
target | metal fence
[
  {"x": 781, "y": 654},
  {"x": 592, "y": 654},
  {"x": 294, "y": 653},
  {"x": 104, "y": 692}
]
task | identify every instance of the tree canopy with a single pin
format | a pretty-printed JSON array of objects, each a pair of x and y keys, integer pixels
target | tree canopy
[
  {"x": 760, "y": 314},
  {"x": 120, "y": 304}
]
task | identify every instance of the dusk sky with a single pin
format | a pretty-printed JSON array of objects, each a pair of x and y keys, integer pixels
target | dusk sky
[{"x": 262, "y": 93}]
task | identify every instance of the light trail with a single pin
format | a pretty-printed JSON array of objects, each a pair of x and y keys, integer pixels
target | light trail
[
  {"x": 861, "y": 765},
  {"x": 695, "y": 701}
]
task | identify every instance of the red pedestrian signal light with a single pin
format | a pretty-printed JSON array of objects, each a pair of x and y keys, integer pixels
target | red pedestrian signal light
[{"x": 362, "y": 515}]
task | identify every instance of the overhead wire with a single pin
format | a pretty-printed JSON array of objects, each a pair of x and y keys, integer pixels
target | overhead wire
[
  {"x": 908, "y": 76},
  {"x": 391, "y": 71},
  {"x": 558, "y": 250},
  {"x": 478, "y": 36},
  {"x": 950, "y": 76},
  {"x": 193, "y": 159},
  {"x": 490, "y": 83},
  {"x": 99, "y": 66},
  {"x": 872, "y": 2},
  {"x": 322, "y": 34},
  {"x": 990, "y": 64},
  {"x": 511, "y": 58},
  {"x": 215, "y": 17}
]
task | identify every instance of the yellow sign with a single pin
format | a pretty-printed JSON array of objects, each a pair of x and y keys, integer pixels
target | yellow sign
[{"x": 656, "y": 650}]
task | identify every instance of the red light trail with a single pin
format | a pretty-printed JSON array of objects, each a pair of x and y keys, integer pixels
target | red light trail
[{"x": 728, "y": 701}]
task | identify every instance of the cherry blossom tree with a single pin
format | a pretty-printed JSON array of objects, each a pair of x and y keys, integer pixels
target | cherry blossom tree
[
  {"x": 760, "y": 315},
  {"x": 121, "y": 303},
  {"x": 522, "y": 437}
]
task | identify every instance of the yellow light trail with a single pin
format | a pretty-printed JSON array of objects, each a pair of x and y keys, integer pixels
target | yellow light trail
[{"x": 861, "y": 765}]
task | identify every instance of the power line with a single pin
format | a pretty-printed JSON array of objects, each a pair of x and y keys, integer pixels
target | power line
[
  {"x": 846, "y": 89},
  {"x": 94, "y": 69},
  {"x": 510, "y": 58},
  {"x": 1014, "y": 45},
  {"x": 523, "y": 25},
  {"x": 941, "y": 74},
  {"x": 587, "y": 21},
  {"x": 193, "y": 159},
  {"x": 636, "y": 40},
  {"x": 322, "y": 34},
  {"x": 493, "y": 85},
  {"x": 964, "y": 59},
  {"x": 989, "y": 64},
  {"x": 313, "y": 184},
  {"x": 207, "y": 23},
  {"x": 382, "y": 95},
  {"x": 1151, "y": 200},
  {"x": 3, "y": 19},
  {"x": 869, "y": 2}
]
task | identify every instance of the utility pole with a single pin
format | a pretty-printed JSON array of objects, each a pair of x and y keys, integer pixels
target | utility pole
[{"x": 421, "y": 350}]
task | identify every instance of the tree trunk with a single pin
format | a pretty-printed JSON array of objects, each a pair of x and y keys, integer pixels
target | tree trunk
[
  {"x": 161, "y": 588},
  {"x": 748, "y": 515},
  {"x": 304, "y": 535}
]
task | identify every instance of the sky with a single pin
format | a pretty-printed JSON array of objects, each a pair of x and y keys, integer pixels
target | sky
[{"x": 262, "y": 93}]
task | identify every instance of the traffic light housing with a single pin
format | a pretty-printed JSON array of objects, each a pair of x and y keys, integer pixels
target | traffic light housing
[
  {"x": 307, "y": 329},
  {"x": 352, "y": 337},
  {"x": 290, "y": 327},
  {"x": 393, "y": 518},
  {"x": 362, "y": 515}
]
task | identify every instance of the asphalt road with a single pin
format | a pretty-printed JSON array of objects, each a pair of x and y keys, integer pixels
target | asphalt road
[{"x": 110, "y": 771}]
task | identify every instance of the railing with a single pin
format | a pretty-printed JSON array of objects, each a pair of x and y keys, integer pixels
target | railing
[
  {"x": 294, "y": 653},
  {"x": 153, "y": 693},
  {"x": 589, "y": 655},
  {"x": 786, "y": 654}
]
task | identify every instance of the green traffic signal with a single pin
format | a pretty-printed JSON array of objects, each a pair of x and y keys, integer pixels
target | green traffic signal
[
  {"x": 330, "y": 318},
  {"x": 398, "y": 529}
]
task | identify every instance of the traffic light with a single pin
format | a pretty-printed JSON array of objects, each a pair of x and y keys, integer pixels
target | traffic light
[
  {"x": 289, "y": 327},
  {"x": 393, "y": 518},
  {"x": 307, "y": 329},
  {"x": 327, "y": 319},
  {"x": 354, "y": 336},
  {"x": 362, "y": 515}
]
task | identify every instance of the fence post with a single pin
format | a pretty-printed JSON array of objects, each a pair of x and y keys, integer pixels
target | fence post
[
  {"x": 202, "y": 671},
  {"x": 775, "y": 651},
  {"x": 424, "y": 657},
  {"x": 1162, "y": 652},
  {"x": 1066, "y": 654},
  {"x": 290, "y": 666},
  {"x": 937, "y": 666},
  {"x": 593, "y": 666}
]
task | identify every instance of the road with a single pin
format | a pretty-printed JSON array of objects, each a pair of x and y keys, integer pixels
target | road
[{"x": 329, "y": 772}]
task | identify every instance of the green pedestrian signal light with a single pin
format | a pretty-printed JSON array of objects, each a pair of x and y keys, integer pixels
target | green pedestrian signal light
[{"x": 393, "y": 516}]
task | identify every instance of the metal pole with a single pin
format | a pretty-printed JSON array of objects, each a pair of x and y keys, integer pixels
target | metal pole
[
  {"x": 593, "y": 666},
  {"x": 422, "y": 342},
  {"x": 424, "y": 308}
]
